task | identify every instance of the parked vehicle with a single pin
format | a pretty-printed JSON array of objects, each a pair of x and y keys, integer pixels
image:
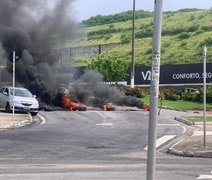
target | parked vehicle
[
  {"x": 182, "y": 90},
  {"x": 23, "y": 100}
]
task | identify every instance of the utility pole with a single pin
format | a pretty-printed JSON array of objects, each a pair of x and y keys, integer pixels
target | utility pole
[
  {"x": 133, "y": 48},
  {"x": 154, "y": 90},
  {"x": 204, "y": 92},
  {"x": 14, "y": 58}
]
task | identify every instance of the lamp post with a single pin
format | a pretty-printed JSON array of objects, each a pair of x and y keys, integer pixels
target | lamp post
[
  {"x": 133, "y": 48},
  {"x": 154, "y": 90},
  {"x": 204, "y": 92},
  {"x": 14, "y": 58}
]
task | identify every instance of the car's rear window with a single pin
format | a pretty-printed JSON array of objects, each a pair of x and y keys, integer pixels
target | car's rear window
[{"x": 21, "y": 92}]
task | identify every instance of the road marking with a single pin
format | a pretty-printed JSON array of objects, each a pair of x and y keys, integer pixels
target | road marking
[
  {"x": 205, "y": 177},
  {"x": 200, "y": 133},
  {"x": 162, "y": 140},
  {"x": 101, "y": 115},
  {"x": 105, "y": 124},
  {"x": 43, "y": 120}
]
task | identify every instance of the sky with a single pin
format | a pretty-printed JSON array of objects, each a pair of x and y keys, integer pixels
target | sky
[{"x": 87, "y": 8}]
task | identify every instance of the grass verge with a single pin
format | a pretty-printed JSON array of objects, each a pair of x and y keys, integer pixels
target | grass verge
[
  {"x": 180, "y": 104},
  {"x": 199, "y": 118}
]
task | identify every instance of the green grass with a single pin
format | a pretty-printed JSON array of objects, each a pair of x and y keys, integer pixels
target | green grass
[
  {"x": 199, "y": 118},
  {"x": 180, "y": 104}
]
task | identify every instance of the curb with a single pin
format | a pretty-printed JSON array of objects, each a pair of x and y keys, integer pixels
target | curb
[
  {"x": 197, "y": 154},
  {"x": 185, "y": 121},
  {"x": 200, "y": 154},
  {"x": 22, "y": 124},
  {"x": 42, "y": 119},
  {"x": 28, "y": 122}
]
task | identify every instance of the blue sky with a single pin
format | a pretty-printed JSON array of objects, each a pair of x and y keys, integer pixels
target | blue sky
[{"x": 86, "y": 8}]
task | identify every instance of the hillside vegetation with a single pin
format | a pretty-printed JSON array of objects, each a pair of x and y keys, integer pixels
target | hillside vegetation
[{"x": 183, "y": 36}]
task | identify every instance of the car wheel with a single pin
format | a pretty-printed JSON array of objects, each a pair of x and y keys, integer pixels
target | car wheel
[
  {"x": 34, "y": 113},
  {"x": 7, "y": 108}
]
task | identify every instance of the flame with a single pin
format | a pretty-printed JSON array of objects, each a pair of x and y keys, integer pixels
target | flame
[
  {"x": 145, "y": 107},
  {"x": 108, "y": 107},
  {"x": 72, "y": 106}
]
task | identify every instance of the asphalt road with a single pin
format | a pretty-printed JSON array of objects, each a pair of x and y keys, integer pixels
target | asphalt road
[{"x": 92, "y": 145}]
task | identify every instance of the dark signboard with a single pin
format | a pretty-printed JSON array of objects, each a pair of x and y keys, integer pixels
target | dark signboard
[{"x": 173, "y": 74}]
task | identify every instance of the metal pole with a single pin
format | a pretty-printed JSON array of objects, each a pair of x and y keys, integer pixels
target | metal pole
[
  {"x": 13, "y": 84},
  {"x": 133, "y": 47},
  {"x": 154, "y": 90},
  {"x": 204, "y": 92}
]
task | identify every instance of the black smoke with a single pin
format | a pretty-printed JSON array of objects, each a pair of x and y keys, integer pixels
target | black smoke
[
  {"x": 33, "y": 30},
  {"x": 91, "y": 89}
]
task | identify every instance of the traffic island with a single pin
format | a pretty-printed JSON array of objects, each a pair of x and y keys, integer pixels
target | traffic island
[{"x": 7, "y": 121}]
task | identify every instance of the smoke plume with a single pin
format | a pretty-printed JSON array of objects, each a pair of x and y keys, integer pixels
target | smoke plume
[
  {"x": 91, "y": 89},
  {"x": 32, "y": 30}
]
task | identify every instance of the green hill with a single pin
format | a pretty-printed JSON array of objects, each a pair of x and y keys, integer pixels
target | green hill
[{"x": 183, "y": 35}]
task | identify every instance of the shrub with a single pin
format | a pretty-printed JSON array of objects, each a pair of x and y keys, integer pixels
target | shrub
[
  {"x": 123, "y": 36},
  {"x": 173, "y": 31},
  {"x": 171, "y": 96},
  {"x": 184, "y": 35},
  {"x": 187, "y": 96},
  {"x": 108, "y": 36},
  {"x": 207, "y": 28},
  {"x": 193, "y": 28},
  {"x": 199, "y": 31},
  {"x": 207, "y": 42},
  {"x": 183, "y": 44},
  {"x": 138, "y": 35},
  {"x": 125, "y": 40},
  {"x": 209, "y": 94},
  {"x": 111, "y": 26},
  {"x": 137, "y": 92}
]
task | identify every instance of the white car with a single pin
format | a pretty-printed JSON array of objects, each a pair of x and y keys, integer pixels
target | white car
[{"x": 23, "y": 100}]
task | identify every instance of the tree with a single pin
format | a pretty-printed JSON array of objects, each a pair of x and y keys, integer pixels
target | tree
[{"x": 112, "y": 68}]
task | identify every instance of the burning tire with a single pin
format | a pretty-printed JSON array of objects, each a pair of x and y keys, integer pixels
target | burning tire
[
  {"x": 83, "y": 109},
  {"x": 108, "y": 107},
  {"x": 72, "y": 106}
]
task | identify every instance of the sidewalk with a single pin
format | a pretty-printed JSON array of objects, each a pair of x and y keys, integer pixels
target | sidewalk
[
  {"x": 20, "y": 120},
  {"x": 193, "y": 144}
]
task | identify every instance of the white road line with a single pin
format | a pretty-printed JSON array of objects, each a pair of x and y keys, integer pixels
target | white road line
[
  {"x": 205, "y": 177},
  {"x": 43, "y": 120},
  {"x": 105, "y": 124},
  {"x": 200, "y": 133},
  {"x": 184, "y": 130},
  {"x": 162, "y": 140},
  {"x": 99, "y": 113}
]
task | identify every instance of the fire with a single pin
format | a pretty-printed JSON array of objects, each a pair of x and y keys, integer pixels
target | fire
[
  {"x": 108, "y": 107},
  {"x": 145, "y": 107},
  {"x": 71, "y": 105}
]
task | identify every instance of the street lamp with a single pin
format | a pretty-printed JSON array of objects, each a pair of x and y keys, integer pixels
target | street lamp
[
  {"x": 154, "y": 90},
  {"x": 133, "y": 48},
  {"x": 204, "y": 92},
  {"x": 14, "y": 59}
]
